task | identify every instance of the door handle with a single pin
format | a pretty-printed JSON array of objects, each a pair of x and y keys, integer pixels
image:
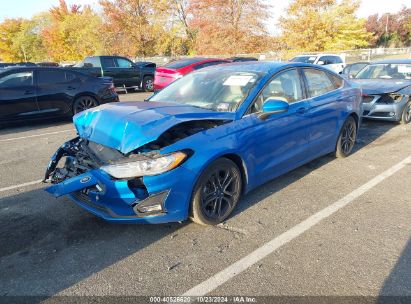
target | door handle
[
  {"x": 71, "y": 88},
  {"x": 28, "y": 92},
  {"x": 301, "y": 110}
]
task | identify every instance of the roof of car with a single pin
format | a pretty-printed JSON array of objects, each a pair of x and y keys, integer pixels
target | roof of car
[
  {"x": 260, "y": 66},
  {"x": 321, "y": 54},
  {"x": 394, "y": 61}
]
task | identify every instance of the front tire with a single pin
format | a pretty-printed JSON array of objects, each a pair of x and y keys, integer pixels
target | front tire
[
  {"x": 406, "y": 113},
  {"x": 83, "y": 103},
  {"x": 148, "y": 84},
  {"x": 216, "y": 193},
  {"x": 346, "y": 139}
]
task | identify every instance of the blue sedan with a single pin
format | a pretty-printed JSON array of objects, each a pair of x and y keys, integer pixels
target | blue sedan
[{"x": 195, "y": 147}]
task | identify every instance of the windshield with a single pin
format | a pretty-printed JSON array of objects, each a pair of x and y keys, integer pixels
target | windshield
[
  {"x": 215, "y": 89},
  {"x": 386, "y": 71},
  {"x": 304, "y": 59}
]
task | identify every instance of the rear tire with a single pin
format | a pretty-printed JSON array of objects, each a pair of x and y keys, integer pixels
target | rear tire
[
  {"x": 406, "y": 113},
  {"x": 148, "y": 84},
  {"x": 216, "y": 193},
  {"x": 346, "y": 139},
  {"x": 83, "y": 103}
]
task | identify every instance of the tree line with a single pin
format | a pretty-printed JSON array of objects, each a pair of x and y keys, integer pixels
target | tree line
[{"x": 196, "y": 27}]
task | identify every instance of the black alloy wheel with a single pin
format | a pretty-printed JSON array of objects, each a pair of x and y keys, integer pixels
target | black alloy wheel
[
  {"x": 347, "y": 138},
  {"x": 217, "y": 193},
  {"x": 83, "y": 103}
]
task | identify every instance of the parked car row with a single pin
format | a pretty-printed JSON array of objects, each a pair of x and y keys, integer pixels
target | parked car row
[{"x": 41, "y": 92}]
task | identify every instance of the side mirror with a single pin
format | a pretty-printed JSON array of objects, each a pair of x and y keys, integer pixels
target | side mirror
[
  {"x": 321, "y": 62},
  {"x": 274, "y": 106}
]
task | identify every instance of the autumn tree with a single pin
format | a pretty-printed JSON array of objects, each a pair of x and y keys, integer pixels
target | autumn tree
[
  {"x": 229, "y": 26},
  {"x": 390, "y": 29},
  {"x": 21, "y": 40},
  {"x": 318, "y": 25},
  {"x": 73, "y": 32}
]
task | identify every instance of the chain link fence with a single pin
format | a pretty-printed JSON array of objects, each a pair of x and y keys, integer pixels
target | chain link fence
[{"x": 349, "y": 55}]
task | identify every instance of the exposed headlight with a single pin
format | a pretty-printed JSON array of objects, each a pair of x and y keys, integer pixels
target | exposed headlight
[
  {"x": 144, "y": 167},
  {"x": 396, "y": 97}
]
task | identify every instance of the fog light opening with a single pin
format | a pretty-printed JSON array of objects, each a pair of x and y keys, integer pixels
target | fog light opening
[
  {"x": 153, "y": 208},
  {"x": 392, "y": 113}
]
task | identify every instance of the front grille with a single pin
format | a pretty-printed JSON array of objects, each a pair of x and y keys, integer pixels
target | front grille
[
  {"x": 82, "y": 197},
  {"x": 381, "y": 114}
]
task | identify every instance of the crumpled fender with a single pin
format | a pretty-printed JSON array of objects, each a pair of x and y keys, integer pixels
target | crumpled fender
[{"x": 76, "y": 183}]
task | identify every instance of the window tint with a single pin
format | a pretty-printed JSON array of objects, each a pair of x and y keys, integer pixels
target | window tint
[
  {"x": 17, "y": 79},
  {"x": 123, "y": 63},
  {"x": 71, "y": 76},
  {"x": 92, "y": 62},
  {"x": 207, "y": 64},
  {"x": 318, "y": 82},
  {"x": 51, "y": 77},
  {"x": 337, "y": 81},
  {"x": 182, "y": 63},
  {"x": 108, "y": 62},
  {"x": 330, "y": 59}
]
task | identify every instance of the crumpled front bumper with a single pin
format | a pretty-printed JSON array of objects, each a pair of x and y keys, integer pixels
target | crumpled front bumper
[
  {"x": 119, "y": 200},
  {"x": 381, "y": 111}
]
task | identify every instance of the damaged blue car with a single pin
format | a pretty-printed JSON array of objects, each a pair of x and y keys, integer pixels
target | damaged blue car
[{"x": 192, "y": 149}]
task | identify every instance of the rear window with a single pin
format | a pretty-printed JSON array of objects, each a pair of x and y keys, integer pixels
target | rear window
[{"x": 178, "y": 64}]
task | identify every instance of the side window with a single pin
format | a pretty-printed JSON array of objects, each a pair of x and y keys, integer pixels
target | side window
[
  {"x": 17, "y": 79},
  {"x": 336, "y": 59},
  {"x": 318, "y": 82},
  {"x": 71, "y": 76},
  {"x": 285, "y": 86},
  {"x": 326, "y": 60},
  {"x": 51, "y": 77},
  {"x": 92, "y": 62},
  {"x": 108, "y": 62},
  {"x": 123, "y": 63},
  {"x": 337, "y": 81}
]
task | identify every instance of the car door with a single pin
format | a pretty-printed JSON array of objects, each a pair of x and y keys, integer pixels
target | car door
[
  {"x": 323, "y": 110},
  {"x": 132, "y": 73},
  {"x": 278, "y": 143},
  {"x": 55, "y": 91},
  {"x": 17, "y": 95}
]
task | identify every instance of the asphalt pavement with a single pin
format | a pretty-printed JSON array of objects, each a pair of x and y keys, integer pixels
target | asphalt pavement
[{"x": 331, "y": 228}]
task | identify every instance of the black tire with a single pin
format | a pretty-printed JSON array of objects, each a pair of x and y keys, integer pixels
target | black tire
[
  {"x": 347, "y": 138},
  {"x": 406, "y": 113},
  {"x": 83, "y": 103},
  {"x": 216, "y": 193},
  {"x": 148, "y": 84}
]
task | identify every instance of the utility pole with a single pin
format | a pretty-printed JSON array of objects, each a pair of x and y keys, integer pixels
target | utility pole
[{"x": 386, "y": 30}]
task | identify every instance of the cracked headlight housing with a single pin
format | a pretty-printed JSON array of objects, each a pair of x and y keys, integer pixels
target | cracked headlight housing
[{"x": 145, "y": 167}]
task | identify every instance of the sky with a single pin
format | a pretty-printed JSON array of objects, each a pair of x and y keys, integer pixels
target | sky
[{"x": 28, "y": 8}]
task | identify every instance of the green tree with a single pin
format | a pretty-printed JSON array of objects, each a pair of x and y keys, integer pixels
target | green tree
[{"x": 318, "y": 25}]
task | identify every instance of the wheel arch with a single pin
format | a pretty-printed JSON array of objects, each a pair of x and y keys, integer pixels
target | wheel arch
[{"x": 83, "y": 94}]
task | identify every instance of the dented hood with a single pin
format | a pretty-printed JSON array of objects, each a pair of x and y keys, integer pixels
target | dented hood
[
  {"x": 126, "y": 126},
  {"x": 381, "y": 86}
]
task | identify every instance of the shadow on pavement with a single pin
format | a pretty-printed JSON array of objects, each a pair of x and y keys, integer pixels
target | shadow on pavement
[
  {"x": 48, "y": 245},
  {"x": 397, "y": 286}
]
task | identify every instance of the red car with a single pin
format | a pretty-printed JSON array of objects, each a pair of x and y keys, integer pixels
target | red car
[{"x": 167, "y": 74}]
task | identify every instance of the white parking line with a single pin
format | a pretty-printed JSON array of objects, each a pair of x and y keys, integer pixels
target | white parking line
[
  {"x": 35, "y": 135},
  {"x": 21, "y": 185},
  {"x": 231, "y": 271}
]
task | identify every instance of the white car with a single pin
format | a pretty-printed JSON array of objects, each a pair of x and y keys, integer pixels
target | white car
[{"x": 333, "y": 62}]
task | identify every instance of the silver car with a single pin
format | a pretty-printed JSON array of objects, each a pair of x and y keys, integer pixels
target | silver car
[{"x": 386, "y": 87}]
